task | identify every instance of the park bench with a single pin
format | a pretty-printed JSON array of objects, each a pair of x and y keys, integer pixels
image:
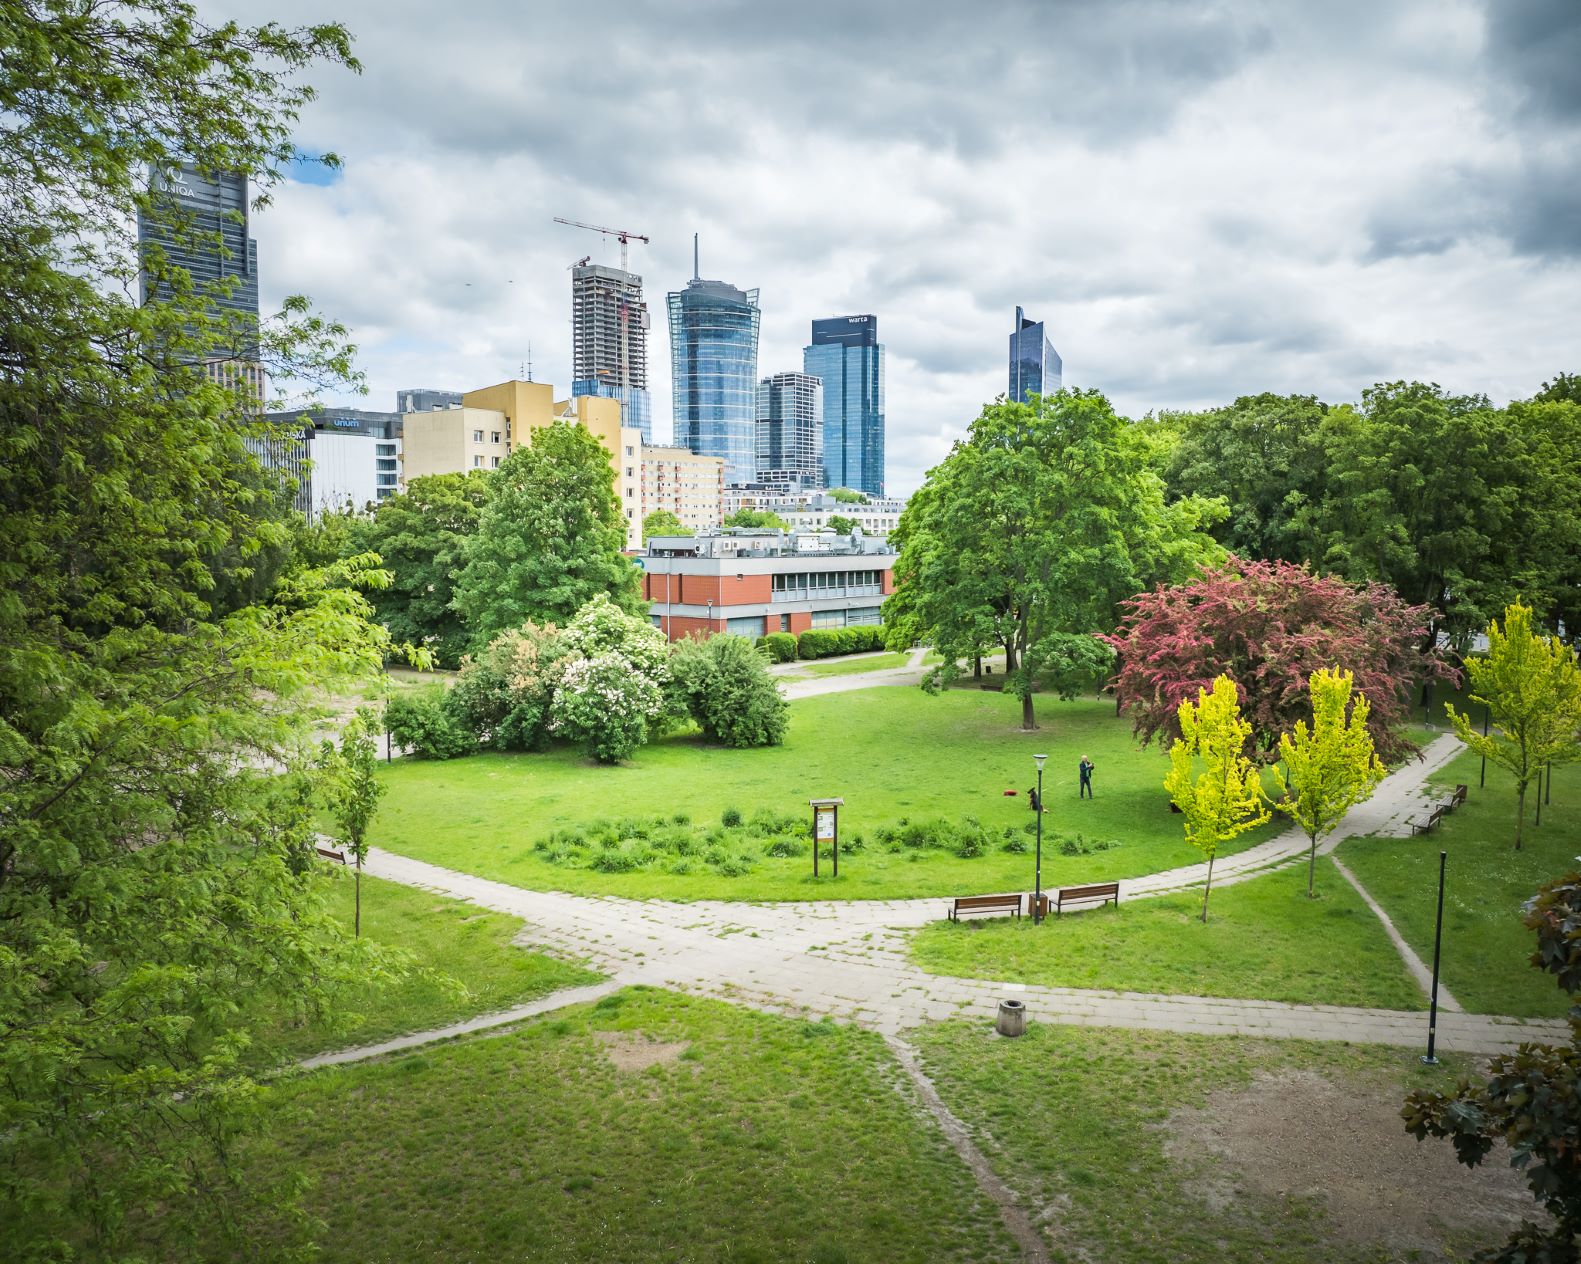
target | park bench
[
  {"x": 1421, "y": 824},
  {"x": 339, "y": 857},
  {"x": 985, "y": 904},
  {"x": 1103, "y": 892},
  {"x": 1459, "y": 797}
]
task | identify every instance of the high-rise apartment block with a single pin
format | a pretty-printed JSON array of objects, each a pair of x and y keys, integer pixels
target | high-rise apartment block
[
  {"x": 200, "y": 223},
  {"x": 1035, "y": 367},
  {"x": 609, "y": 341},
  {"x": 848, "y": 358},
  {"x": 691, "y": 487},
  {"x": 790, "y": 432},
  {"x": 714, "y": 372}
]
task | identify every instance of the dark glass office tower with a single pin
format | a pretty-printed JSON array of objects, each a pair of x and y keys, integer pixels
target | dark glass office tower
[
  {"x": 203, "y": 224},
  {"x": 790, "y": 432},
  {"x": 848, "y": 358},
  {"x": 1035, "y": 367},
  {"x": 714, "y": 373}
]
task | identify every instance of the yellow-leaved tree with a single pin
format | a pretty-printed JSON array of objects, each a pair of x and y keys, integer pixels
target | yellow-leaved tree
[
  {"x": 1531, "y": 686},
  {"x": 1331, "y": 767},
  {"x": 1210, "y": 780}
]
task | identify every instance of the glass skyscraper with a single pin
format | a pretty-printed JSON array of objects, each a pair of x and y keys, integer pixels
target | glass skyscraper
[
  {"x": 790, "y": 432},
  {"x": 848, "y": 358},
  {"x": 714, "y": 373},
  {"x": 1035, "y": 367}
]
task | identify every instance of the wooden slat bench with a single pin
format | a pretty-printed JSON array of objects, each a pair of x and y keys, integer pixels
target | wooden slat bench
[
  {"x": 985, "y": 904},
  {"x": 1421, "y": 824},
  {"x": 1459, "y": 797},
  {"x": 339, "y": 857},
  {"x": 1103, "y": 892}
]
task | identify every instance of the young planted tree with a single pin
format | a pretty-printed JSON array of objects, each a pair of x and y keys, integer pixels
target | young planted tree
[
  {"x": 1531, "y": 685},
  {"x": 1216, "y": 788},
  {"x": 1327, "y": 769},
  {"x": 353, "y": 789},
  {"x": 662, "y": 522},
  {"x": 841, "y": 525}
]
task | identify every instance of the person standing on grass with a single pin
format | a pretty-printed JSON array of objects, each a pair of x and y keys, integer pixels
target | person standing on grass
[{"x": 1086, "y": 778}]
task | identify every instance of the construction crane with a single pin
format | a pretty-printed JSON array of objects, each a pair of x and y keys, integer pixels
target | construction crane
[{"x": 622, "y": 235}]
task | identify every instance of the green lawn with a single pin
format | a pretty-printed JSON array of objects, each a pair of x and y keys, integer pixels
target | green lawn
[
  {"x": 1264, "y": 939},
  {"x": 1485, "y": 948},
  {"x": 1076, "y": 1120},
  {"x": 853, "y": 666},
  {"x": 891, "y": 753},
  {"x": 459, "y": 941},
  {"x": 748, "y": 1138}
]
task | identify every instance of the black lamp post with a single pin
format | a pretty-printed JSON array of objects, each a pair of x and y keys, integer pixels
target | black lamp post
[{"x": 1037, "y": 898}]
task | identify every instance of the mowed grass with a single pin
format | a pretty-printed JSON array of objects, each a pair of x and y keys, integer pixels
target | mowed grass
[
  {"x": 748, "y": 1137},
  {"x": 1264, "y": 939},
  {"x": 1075, "y": 1120},
  {"x": 1486, "y": 949},
  {"x": 467, "y": 965},
  {"x": 853, "y": 666},
  {"x": 891, "y": 752}
]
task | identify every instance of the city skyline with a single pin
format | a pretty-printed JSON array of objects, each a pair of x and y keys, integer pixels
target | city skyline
[{"x": 1198, "y": 203}]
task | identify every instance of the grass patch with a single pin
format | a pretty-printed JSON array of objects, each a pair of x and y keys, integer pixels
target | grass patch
[
  {"x": 1486, "y": 949},
  {"x": 853, "y": 666},
  {"x": 892, "y": 753},
  {"x": 1264, "y": 939},
  {"x": 458, "y": 940},
  {"x": 1073, "y": 1118},
  {"x": 650, "y": 1126}
]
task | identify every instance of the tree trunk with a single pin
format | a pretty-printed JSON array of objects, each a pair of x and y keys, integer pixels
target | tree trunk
[
  {"x": 1010, "y": 656},
  {"x": 357, "y": 916},
  {"x": 1520, "y": 812},
  {"x": 1028, "y": 719},
  {"x": 977, "y": 666},
  {"x": 1311, "y": 868},
  {"x": 1206, "y": 890}
]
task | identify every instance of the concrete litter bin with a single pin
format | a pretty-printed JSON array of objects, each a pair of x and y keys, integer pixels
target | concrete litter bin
[{"x": 1012, "y": 1019}]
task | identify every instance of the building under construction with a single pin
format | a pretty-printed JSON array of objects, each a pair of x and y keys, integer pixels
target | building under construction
[{"x": 609, "y": 323}]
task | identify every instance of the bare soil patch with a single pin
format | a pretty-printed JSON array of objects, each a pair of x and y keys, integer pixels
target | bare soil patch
[
  {"x": 1301, "y": 1135},
  {"x": 637, "y": 1051}
]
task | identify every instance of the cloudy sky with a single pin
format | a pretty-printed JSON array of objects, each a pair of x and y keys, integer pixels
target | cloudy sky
[{"x": 1202, "y": 200}]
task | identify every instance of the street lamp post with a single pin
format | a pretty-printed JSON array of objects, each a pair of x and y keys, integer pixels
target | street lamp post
[
  {"x": 710, "y": 616},
  {"x": 1037, "y": 877}
]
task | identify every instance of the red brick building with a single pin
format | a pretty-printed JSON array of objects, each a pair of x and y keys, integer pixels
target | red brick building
[{"x": 754, "y": 582}]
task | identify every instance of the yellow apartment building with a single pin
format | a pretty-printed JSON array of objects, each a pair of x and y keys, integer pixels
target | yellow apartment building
[{"x": 690, "y": 486}]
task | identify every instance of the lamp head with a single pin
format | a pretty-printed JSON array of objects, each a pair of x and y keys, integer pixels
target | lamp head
[{"x": 1040, "y": 760}]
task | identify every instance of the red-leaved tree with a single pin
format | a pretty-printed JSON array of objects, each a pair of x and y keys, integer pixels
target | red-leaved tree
[{"x": 1268, "y": 626}]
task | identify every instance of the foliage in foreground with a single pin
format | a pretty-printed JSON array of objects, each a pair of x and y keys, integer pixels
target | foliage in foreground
[
  {"x": 727, "y": 690},
  {"x": 1268, "y": 627},
  {"x": 1531, "y": 685},
  {"x": 1530, "y": 1100}
]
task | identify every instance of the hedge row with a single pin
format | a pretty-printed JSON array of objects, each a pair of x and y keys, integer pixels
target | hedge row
[{"x": 782, "y": 647}]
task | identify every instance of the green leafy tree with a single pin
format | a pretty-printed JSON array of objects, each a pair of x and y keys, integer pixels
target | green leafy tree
[
  {"x": 505, "y": 694},
  {"x": 761, "y": 518},
  {"x": 158, "y": 648},
  {"x": 1565, "y": 388},
  {"x": 848, "y": 496},
  {"x": 1531, "y": 685},
  {"x": 422, "y": 537},
  {"x": 841, "y": 525},
  {"x": 353, "y": 789},
  {"x": 1028, "y": 535},
  {"x": 1326, "y": 770},
  {"x": 724, "y": 684},
  {"x": 549, "y": 541},
  {"x": 1530, "y": 1100},
  {"x": 1210, "y": 780},
  {"x": 662, "y": 522}
]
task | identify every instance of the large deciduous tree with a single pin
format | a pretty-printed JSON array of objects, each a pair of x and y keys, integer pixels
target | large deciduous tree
[
  {"x": 1531, "y": 685},
  {"x": 1268, "y": 626},
  {"x": 1217, "y": 789},
  {"x": 422, "y": 536},
  {"x": 1029, "y": 534},
  {"x": 549, "y": 541},
  {"x": 1327, "y": 769},
  {"x": 156, "y": 831}
]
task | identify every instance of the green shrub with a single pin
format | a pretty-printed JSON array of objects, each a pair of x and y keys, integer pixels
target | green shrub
[
  {"x": 681, "y": 818},
  {"x": 620, "y": 859},
  {"x": 971, "y": 839},
  {"x": 425, "y": 721},
  {"x": 1076, "y": 845},
  {"x": 783, "y": 846},
  {"x": 731, "y": 818},
  {"x": 779, "y": 646},
  {"x": 825, "y": 642},
  {"x": 1016, "y": 844},
  {"x": 724, "y": 684},
  {"x": 733, "y": 866}
]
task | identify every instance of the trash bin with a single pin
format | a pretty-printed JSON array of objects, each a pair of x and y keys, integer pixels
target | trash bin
[{"x": 1012, "y": 1018}]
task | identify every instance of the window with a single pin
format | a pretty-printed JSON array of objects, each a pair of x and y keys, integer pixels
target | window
[
  {"x": 494, "y": 436},
  {"x": 477, "y": 462},
  {"x": 784, "y": 623},
  {"x": 496, "y": 462},
  {"x": 477, "y": 436}
]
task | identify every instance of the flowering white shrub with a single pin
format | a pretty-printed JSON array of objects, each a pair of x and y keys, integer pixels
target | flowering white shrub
[{"x": 611, "y": 691}]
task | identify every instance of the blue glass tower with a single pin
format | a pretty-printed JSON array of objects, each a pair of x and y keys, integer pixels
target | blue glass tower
[
  {"x": 714, "y": 373},
  {"x": 1035, "y": 367},
  {"x": 849, "y": 359}
]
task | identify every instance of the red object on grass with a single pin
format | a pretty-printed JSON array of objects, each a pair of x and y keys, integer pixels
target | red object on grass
[{"x": 1010, "y": 794}]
